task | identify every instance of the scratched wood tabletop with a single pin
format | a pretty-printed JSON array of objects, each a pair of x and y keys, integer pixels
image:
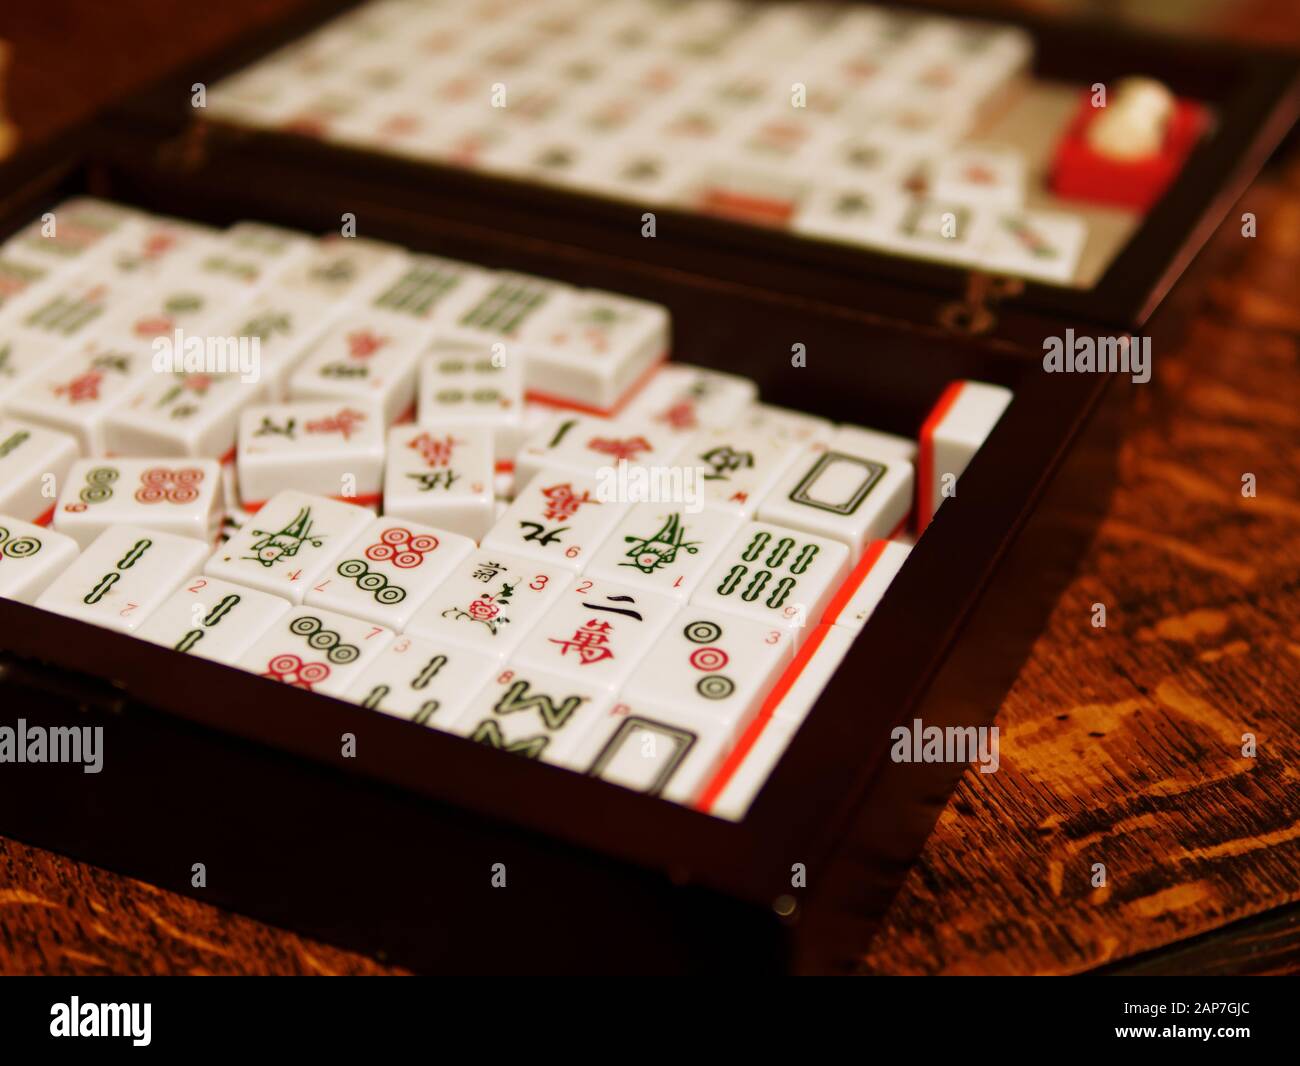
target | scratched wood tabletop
[{"x": 1121, "y": 746}]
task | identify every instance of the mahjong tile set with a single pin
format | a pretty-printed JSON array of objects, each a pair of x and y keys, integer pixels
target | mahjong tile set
[
  {"x": 477, "y": 500},
  {"x": 910, "y": 134}
]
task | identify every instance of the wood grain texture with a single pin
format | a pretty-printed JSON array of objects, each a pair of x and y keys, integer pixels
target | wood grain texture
[{"x": 1120, "y": 746}]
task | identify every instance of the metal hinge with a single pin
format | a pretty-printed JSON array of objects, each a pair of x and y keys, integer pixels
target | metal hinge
[{"x": 977, "y": 312}]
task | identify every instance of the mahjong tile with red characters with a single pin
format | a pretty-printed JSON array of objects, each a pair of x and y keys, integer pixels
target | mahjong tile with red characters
[
  {"x": 533, "y": 713},
  {"x": 174, "y": 497},
  {"x": 780, "y": 577},
  {"x": 315, "y": 649},
  {"x": 183, "y": 414},
  {"x": 589, "y": 445},
  {"x": 473, "y": 383},
  {"x": 363, "y": 357},
  {"x": 735, "y": 468},
  {"x": 77, "y": 233},
  {"x": 33, "y": 463},
  {"x": 712, "y": 665},
  {"x": 423, "y": 681},
  {"x": 329, "y": 448},
  {"x": 157, "y": 312},
  {"x": 31, "y": 557},
  {"x": 664, "y": 548},
  {"x": 389, "y": 569},
  {"x": 853, "y": 496},
  {"x": 592, "y": 351},
  {"x": 213, "y": 619},
  {"x": 442, "y": 477},
  {"x": 685, "y": 399},
  {"x": 147, "y": 253},
  {"x": 125, "y": 574},
  {"x": 560, "y": 517},
  {"x": 597, "y": 632},
  {"x": 77, "y": 392},
  {"x": 490, "y": 603},
  {"x": 289, "y": 544}
]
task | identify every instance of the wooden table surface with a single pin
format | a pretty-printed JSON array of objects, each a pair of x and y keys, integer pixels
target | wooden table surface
[{"x": 1120, "y": 746}]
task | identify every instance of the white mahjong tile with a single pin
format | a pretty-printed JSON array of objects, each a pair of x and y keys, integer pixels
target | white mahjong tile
[
  {"x": 867, "y": 584},
  {"x": 430, "y": 289},
  {"x": 735, "y": 795},
  {"x": 593, "y": 349},
  {"x": 815, "y": 663},
  {"x": 213, "y": 619},
  {"x": 342, "y": 268},
  {"x": 147, "y": 253},
  {"x": 590, "y": 445},
  {"x": 863, "y": 441},
  {"x": 389, "y": 569},
  {"x": 561, "y": 155},
  {"x": 423, "y": 681},
  {"x": 533, "y": 713},
  {"x": 1035, "y": 244},
  {"x": 781, "y": 577},
  {"x": 19, "y": 279},
  {"x": 954, "y": 431},
  {"x": 363, "y": 357},
  {"x": 78, "y": 390},
  {"x": 157, "y": 312},
  {"x": 665, "y": 751},
  {"x": 642, "y": 173},
  {"x": 791, "y": 427},
  {"x": 279, "y": 327},
  {"x": 686, "y": 398},
  {"x": 736, "y": 468},
  {"x": 316, "y": 650},
  {"x": 239, "y": 262},
  {"x": 125, "y": 574},
  {"x": 289, "y": 544},
  {"x": 69, "y": 312},
  {"x": 663, "y": 547},
  {"x": 510, "y": 303},
  {"x": 327, "y": 448},
  {"x": 490, "y": 602},
  {"x": 868, "y": 161},
  {"x": 852, "y": 213},
  {"x": 597, "y": 631},
  {"x": 33, "y": 463},
  {"x": 850, "y": 496},
  {"x": 560, "y": 516},
  {"x": 183, "y": 497},
  {"x": 31, "y": 557},
  {"x": 473, "y": 383},
  {"x": 182, "y": 414},
  {"x": 949, "y": 232},
  {"x": 75, "y": 233},
  {"x": 978, "y": 174},
  {"x": 257, "y": 96},
  {"x": 441, "y": 477},
  {"x": 711, "y": 664}
]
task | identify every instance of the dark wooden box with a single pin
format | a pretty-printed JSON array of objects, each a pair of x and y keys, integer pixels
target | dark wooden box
[{"x": 393, "y": 852}]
